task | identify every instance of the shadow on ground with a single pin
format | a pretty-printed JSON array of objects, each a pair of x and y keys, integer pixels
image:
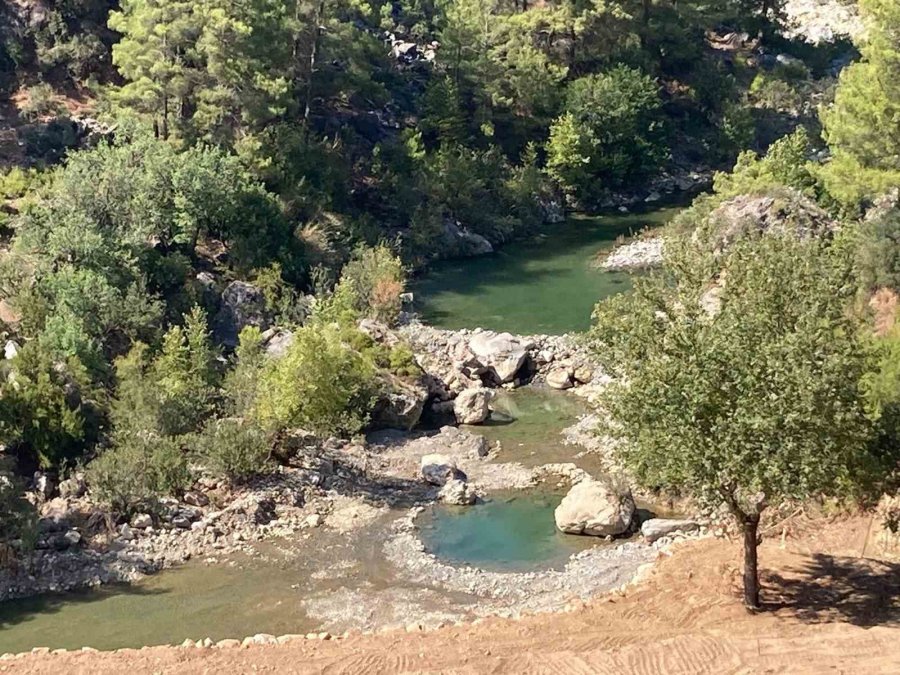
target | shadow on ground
[{"x": 836, "y": 589}]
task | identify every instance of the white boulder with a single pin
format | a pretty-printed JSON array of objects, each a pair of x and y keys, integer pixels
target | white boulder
[
  {"x": 471, "y": 406},
  {"x": 501, "y": 353},
  {"x": 457, "y": 492},
  {"x": 593, "y": 508},
  {"x": 438, "y": 469},
  {"x": 655, "y": 528}
]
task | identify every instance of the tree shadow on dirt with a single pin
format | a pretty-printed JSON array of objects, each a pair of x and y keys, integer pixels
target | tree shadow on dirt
[{"x": 837, "y": 589}]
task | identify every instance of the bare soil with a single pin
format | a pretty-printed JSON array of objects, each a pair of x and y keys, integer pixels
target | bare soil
[{"x": 827, "y": 609}]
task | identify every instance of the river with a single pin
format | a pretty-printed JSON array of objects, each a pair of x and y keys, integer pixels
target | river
[{"x": 547, "y": 285}]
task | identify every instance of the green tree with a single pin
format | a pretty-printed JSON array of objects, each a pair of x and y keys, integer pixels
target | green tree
[
  {"x": 45, "y": 406},
  {"x": 321, "y": 384},
  {"x": 746, "y": 400},
  {"x": 158, "y": 57},
  {"x": 862, "y": 127},
  {"x": 612, "y": 126}
]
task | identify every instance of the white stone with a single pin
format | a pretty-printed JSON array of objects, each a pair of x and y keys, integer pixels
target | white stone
[
  {"x": 655, "y": 528},
  {"x": 438, "y": 469},
  {"x": 593, "y": 508},
  {"x": 11, "y": 349},
  {"x": 457, "y": 493},
  {"x": 472, "y": 405},
  {"x": 142, "y": 521}
]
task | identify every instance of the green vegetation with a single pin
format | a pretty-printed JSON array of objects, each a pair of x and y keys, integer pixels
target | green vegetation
[
  {"x": 610, "y": 134},
  {"x": 862, "y": 127},
  {"x": 750, "y": 398},
  {"x": 285, "y": 164}
]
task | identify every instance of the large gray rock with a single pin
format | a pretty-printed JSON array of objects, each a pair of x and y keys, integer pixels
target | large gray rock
[
  {"x": 400, "y": 406},
  {"x": 502, "y": 354},
  {"x": 472, "y": 405},
  {"x": 440, "y": 469},
  {"x": 243, "y": 304},
  {"x": 656, "y": 528},
  {"x": 459, "y": 241},
  {"x": 593, "y": 508},
  {"x": 560, "y": 378}
]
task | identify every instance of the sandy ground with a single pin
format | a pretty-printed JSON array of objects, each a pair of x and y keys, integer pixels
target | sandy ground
[{"x": 827, "y": 610}]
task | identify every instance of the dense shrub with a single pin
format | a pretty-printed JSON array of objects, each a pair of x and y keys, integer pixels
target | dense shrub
[
  {"x": 371, "y": 283},
  {"x": 45, "y": 407},
  {"x": 173, "y": 393},
  {"x": 138, "y": 470},
  {"x": 233, "y": 448},
  {"x": 879, "y": 252},
  {"x": 321, "y": 385}
]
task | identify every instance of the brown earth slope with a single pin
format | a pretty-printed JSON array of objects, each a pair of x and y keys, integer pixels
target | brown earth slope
[{"x": 828, "y": 610}]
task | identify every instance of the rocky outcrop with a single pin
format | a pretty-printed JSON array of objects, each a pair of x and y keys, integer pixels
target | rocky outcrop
[
  {"x": 243, "y": 305},
  {"x": 471, "y": 406},
  {"x": 463, "y": 243},
  {"x": 656, "y": 528},
  {"x": 593, "y": 508},
  {"x": 457, "y": 360},
  {"x": 641, "y": 254},
  {"x": 821, "y": 21},
  {"x": 783, "y": 212}
]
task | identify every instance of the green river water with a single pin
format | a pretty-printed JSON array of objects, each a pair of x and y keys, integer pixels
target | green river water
[{"x": 548, "y": 285}]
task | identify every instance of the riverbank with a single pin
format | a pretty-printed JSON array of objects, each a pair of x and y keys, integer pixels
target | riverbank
[
  {"x": 347, "y": 509},
  {"x": 831, "y": 610}
]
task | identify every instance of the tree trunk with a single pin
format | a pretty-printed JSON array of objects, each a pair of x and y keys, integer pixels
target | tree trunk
[{"x": 750, "y": 526}]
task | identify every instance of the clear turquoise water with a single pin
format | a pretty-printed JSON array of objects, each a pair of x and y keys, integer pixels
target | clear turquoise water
[
  {"x": 513, "y": 532},
  {"x": 547, "y": 285}
]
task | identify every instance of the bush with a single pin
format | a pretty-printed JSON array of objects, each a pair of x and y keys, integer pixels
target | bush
[
  {"x": 242, "y": 381},
  {"x": 175, "y": 392},
  {"x": 370, "y": 286},
  {"x": 43, "y": 407},
  {"x": 18, "y": 517},
  {"x": 233, "y": 448},
  {"x": 322, "y": 385},
  {"x": 137, "y": 471},
  {"x": 41, "y": 102}
]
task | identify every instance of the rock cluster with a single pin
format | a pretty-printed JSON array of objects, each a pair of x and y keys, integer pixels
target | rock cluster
[
  {"x": 821, "y": 21},
  {"x": 473, "y": 359}
]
